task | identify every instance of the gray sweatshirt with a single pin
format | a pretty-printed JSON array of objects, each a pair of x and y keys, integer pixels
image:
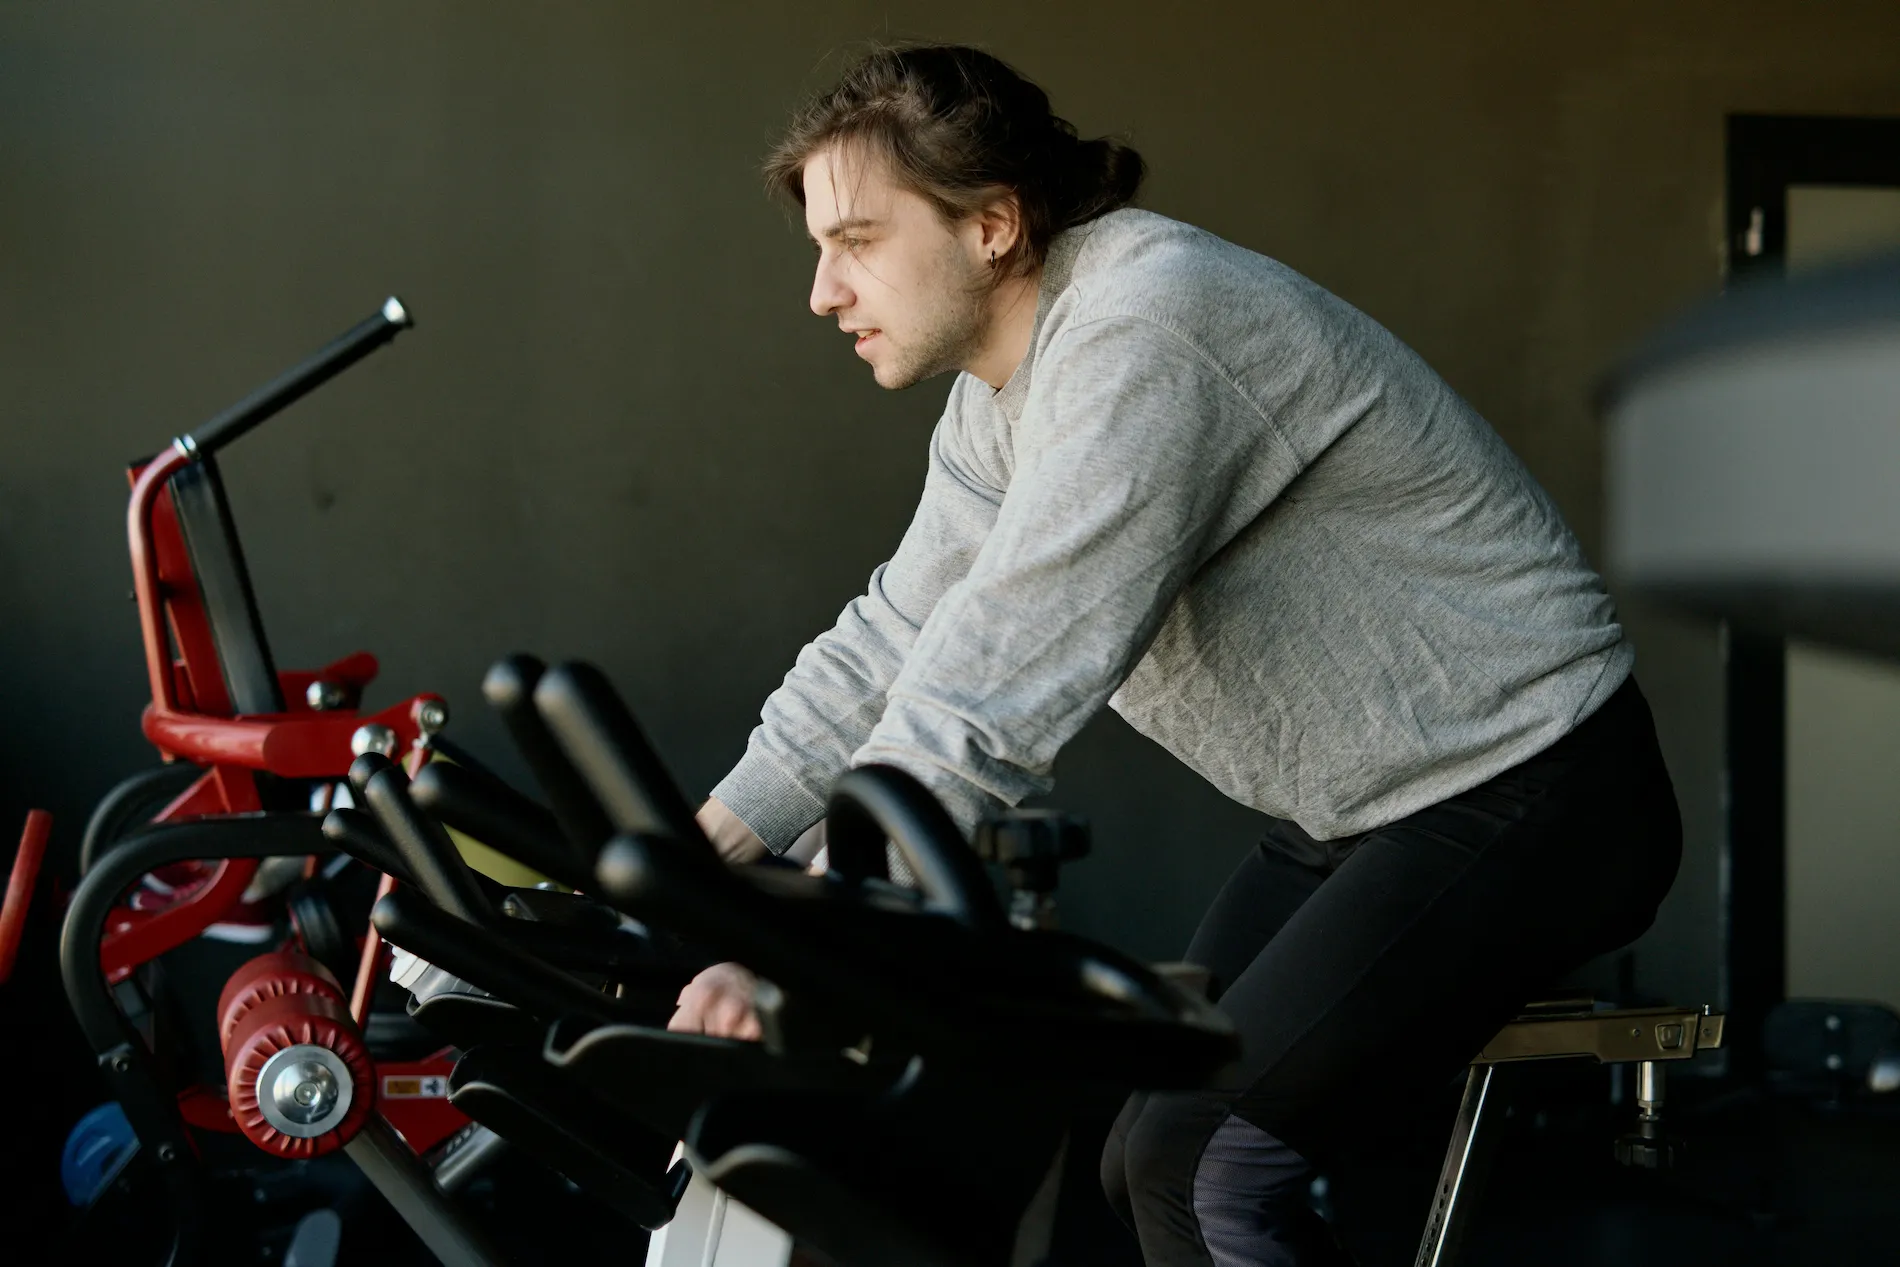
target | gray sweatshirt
[{"x": 1239, "y": 512}]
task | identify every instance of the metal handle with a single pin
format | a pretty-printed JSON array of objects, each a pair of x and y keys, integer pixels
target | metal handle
[
  {"x": 874, "y": 803},
  {"x": 597, "y": 731},
  {"x": 431, "y": 855},
  {"x": 356, "y": 834},
  {"x": 346, "y": 350},
  {"x": 499, "y": 817},
  {"x": 699, "y": 897},
  {"x": 483, "y": 959},
  {"x": 509, "y": 689}
]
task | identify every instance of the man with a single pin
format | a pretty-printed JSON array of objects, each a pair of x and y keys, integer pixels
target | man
[{"x": 1176, "y": 477}]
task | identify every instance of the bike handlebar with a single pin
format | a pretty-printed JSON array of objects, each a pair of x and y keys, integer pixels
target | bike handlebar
[{"x": 292, "y": 385}]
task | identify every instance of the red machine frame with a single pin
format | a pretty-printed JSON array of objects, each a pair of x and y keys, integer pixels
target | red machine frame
[{"x": 190, "y": 718}]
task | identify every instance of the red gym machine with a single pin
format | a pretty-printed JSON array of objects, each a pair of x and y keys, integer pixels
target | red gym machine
[{"x": 271, "y": 746}]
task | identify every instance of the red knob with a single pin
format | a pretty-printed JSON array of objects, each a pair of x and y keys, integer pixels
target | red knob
[
  {"x": 268, "y": 977},
  {"x": 299, "y": 1075}
]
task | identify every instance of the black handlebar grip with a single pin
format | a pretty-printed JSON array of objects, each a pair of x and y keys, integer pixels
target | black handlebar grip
[
  {"x": 481, "y": 958},
  {"x": 876, "y": 802},
  {"x": 597, "y": 731},
  {"x": 509, "y": 689},
  {"x": 432, "y": 857},
  {"x": 499, "y": 817},
  {"x": 357, "y": 835},
  {"x": 700, "y": 898},
  {"x": 342, "y": 352}
]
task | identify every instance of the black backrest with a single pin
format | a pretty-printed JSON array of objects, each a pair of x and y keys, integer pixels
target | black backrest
[{"x": 224, "y": 584}]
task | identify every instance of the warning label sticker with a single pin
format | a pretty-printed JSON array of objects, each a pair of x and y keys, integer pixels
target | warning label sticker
[{"x": 413, "y": 1087}]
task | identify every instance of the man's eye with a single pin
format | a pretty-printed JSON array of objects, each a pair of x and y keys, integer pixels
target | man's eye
[{"x": 851, "y": 244}]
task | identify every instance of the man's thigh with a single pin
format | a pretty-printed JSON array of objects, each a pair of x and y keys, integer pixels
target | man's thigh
[
  {"x": 1435, "y": 930},
  {"x": 1249, "y": 911}
]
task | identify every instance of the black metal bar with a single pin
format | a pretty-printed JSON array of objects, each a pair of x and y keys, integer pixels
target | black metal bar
[
  {"x": 125, "y": 1062},
  {"x": 395, "y": 1171},
  {"x": 442, "y": 745},
  {"x": 355, "y": 833},
  {"x": 597, "y": 731},
  {"x": 509, "y": 689},
  {"x": 1474, "y": 1137},
  {"x": 239, "y": 836},
  {"x": 292, "y": 385},
  {"x": 499, "y": 817},
  {"x": 614, "y": 1156},
  {"x": 483, "y": 959},
  {"x": 699, "y": 897},
  {"x": 468, "y": 1159},
  {"x": 876, "y": 802},
  {"x": 1755, "y": 934},
  {"x": 432, "y": 857}
]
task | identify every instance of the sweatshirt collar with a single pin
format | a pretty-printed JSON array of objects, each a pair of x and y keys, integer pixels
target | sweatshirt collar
[{"x": 1058, "y": 266}]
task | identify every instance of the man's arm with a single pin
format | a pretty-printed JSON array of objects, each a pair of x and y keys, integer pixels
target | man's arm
[
  {"x": 1136, "y": 459},
  {"x": 835, "y": 693}
]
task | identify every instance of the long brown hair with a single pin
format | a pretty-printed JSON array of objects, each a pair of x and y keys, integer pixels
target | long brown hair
[{"x": 957, "y": 126}]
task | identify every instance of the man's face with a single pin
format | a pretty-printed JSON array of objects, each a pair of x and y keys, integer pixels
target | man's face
[{"x": 909, "y": 288}]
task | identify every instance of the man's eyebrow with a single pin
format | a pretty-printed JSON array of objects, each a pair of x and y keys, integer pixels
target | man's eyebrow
[{"x": 848, "y": 224}]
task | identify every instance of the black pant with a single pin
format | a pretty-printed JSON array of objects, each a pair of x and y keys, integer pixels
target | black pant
[{"x": 1363, "y": 973}]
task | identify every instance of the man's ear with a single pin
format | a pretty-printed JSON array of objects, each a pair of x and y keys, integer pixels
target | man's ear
[{"x": 1000, "y": 224}]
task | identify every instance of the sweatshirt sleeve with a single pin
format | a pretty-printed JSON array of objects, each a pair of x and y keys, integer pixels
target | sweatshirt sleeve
[
  {"x": 1136, "y": 459},
  {"x": 835, "y": 693}
]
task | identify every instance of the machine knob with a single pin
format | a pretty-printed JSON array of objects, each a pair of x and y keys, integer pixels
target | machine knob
[
  {"x": 324, "y": 696},
  {"x": 1648, "y": 1148},
  {"x": 373, "y": 737},
  {"x": 297, "y": 1071},
  {"x": 1031, "y": 845},
  {"x": 1024, "y": 837}
]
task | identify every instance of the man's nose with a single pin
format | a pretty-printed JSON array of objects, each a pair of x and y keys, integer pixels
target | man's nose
[{"x": 829, "y": 294}]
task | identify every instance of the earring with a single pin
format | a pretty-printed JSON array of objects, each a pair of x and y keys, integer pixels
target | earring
[{"x": 992, "y": 259}]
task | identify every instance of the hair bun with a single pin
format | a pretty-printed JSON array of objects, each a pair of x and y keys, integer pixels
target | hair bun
[{"x": 1104, "y": 175}]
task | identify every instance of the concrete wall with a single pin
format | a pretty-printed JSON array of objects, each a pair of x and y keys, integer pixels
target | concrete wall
[{"x": 617, "y": 434}]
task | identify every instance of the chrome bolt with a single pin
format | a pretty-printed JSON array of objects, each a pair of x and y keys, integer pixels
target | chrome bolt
[
  {"x": 432, "y": 715},
  {"x": 166, "y": 1152},
  {"x": 304, "y": 1092},
  {"x": 373, "y": 737},
  {"x": 324, "y": 696}
]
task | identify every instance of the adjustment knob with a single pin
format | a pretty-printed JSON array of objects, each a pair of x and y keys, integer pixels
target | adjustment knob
[
  {"x": 1031, "y": 845},
  {"x": 1021, "y": 837},
  {"x": 1648, "y": 1148}
]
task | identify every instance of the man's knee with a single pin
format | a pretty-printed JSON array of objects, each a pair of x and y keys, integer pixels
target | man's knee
[
  {"x": 1115, "y": 1160},
  {"x": 1148, "y": 1166}
]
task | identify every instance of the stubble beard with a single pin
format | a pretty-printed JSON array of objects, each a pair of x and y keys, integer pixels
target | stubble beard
[{"x": 949, "y": 330}]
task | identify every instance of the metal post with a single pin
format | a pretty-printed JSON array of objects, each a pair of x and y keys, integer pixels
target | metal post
[
  {"x": 407, "y": 1184},
  {"x": 1463, "y": 1174}
]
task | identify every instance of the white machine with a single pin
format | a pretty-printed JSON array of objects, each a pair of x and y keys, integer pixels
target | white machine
[
  {"x": 1754, "y": 459},
  {"x": 710, "y": 1229}
]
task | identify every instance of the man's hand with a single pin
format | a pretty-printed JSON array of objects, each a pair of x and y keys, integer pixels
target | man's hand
[
  {"x": 718, "y": 1003},
  {"x": 729, "y": 835}
]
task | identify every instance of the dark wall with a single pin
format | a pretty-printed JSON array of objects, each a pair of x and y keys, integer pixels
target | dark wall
[{"x": 617, "y": 433}]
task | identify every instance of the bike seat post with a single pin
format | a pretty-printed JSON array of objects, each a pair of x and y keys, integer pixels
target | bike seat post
[{"x": 1473, "y": 1140}]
